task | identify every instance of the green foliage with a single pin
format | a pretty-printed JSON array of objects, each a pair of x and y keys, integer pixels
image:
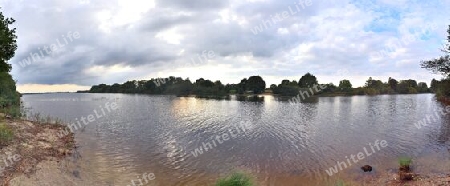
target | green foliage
[
  {"x": 286, "y": 88},
  {"x": 256, "y": 84},
  {"x": 371, "y": 91},
  {"x": 177, "y": 86},
  {"x": 407, "y": 87},
  {"x": 375, "y": 84},
  {"x": 405, "y": 161},
  {"x": 358, "y": 91},
  {"x": 236, "y": 179},
  {"x": 308, "y": 80},
  {"x": 6, "y": 134},
  {"x": 329, "y": 88},
  {"x": 433, "y": 85},
  {"x": 8, "y": 43},
  {"x": 9, "y": 97},
  {"x": 392, "y": 83},
  {"x": 439, "y": 65},
  {"x": 422, "y": 87},
  {"x": 345, "y": 85},
  {"x": 340, "y": 183},
  {"x": 442, "y": 88},
  {"x": 8, "y": 93}
]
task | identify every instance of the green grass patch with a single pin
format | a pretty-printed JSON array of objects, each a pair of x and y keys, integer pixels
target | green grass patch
[
  {"x": 340, "y": 183},
  {"x": 404, "y": 161},
  {"x": 236, "y": 179},
  {"x": 6, "y": 134}
]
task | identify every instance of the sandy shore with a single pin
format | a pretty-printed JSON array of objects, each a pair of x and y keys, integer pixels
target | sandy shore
[{"x": 35, "y": 150}]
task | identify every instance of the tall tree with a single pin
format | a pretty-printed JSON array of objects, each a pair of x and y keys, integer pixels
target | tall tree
[
  {"x": 8, "y": 43},
  {"x": 308, "y": 80},
  {"x": 440, "y": 65},
  {"x": 8, "y": 46}
]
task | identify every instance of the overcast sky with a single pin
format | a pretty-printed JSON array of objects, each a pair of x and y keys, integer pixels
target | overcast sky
[{"x": 112, "y": 41}]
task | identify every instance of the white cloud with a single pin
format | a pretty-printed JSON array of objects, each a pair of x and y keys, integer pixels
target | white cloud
[{"x": 143, "y": 39}]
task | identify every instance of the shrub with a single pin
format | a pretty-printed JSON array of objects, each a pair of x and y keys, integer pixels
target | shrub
[
  {"x": 404, "y": 161},
  {"x": 6, "y": 134},
  {"x": 236, "y": 179}
]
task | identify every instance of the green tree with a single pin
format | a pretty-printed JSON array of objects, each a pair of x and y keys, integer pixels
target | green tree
[
  {"x": 433, "y": 85},
  {"x": 308, "y": 80},
  {"x": 407, "y": 87},
  {"x": 442, "y": 64},
  {"x": 8, "y": 43},
  {"x": 422, "y": 87},
  {"x": 256, "y": 84},
  {"x": 393, "y": 83},
  {"x": 345, "y": 85}
]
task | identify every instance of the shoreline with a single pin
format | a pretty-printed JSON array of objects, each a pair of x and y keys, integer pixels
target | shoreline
[{"x": 32, "y": 144}]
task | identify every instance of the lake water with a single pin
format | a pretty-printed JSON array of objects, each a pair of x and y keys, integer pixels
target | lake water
[{"x": 280, "y": 143}]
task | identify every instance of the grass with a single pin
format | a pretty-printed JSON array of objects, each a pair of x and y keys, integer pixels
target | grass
[
  {"x": 6, "y": 134},
  {"x": 405, "y": 161},
  {"x": 340, "y": 183},
  {"x": 38, "y": 118},
  {"x": 236, "y": 179}
]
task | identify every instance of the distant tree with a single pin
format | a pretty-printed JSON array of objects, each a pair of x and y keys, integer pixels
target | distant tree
[
  {"x": 204, "y": 83},
  {"x": 307, "y": 81},
  {"x": 411, "y": 83},
  {"x": 422, "y": 87},
  {"x": 8, "y": 43},
  {"x": 345, "y": 85},
  {"x": 393, "y": 83},
  {"x": 376, "y": 84},
  {"x": 329, "y": 88},
  {"x": 285, "y": 82},
  {"x": 407, "y": 87},
  {"x": 242, "y": 86},
  {"x": 433, "y": 85},
  {"x": 256, "y": 84}
]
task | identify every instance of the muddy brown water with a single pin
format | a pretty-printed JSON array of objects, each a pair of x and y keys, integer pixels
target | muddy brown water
[{"x": 283, "y": 144}]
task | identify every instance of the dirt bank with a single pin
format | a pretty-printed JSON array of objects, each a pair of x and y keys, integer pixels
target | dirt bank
[{"x": 32, "y": 143}]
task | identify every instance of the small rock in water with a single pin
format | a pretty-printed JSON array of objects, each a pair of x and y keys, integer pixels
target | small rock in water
[{"x": 366, "y": 168}]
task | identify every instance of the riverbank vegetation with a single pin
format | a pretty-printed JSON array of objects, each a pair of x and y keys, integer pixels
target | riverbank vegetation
[
  {"x": 441, "y": 65},
  {"x": 256, "y": 85},
  {"x": 184, "y": 87},
  {"x": 9, "y": 97},
  {"x": 236, "y": 179}
]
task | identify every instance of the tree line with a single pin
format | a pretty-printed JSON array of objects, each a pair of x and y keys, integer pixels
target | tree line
[
  {"x": 184, "y": 87},
  {"x": 256, "y": 85}
]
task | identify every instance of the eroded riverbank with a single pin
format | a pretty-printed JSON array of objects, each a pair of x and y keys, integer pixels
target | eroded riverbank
[{"x": 29, "y": 146}]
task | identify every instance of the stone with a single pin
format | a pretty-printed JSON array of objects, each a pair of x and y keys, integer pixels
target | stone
[{"x": 367, "y": 168}]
